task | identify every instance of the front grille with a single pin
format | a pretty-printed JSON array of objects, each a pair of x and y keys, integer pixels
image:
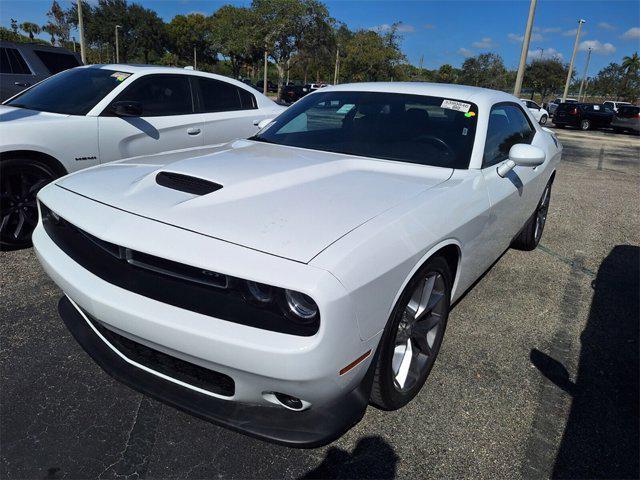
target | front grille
[
  {"x": 186, "y": 183},
  {"x": 173, "y": 367},
  {"x": 184, "y": 286}
]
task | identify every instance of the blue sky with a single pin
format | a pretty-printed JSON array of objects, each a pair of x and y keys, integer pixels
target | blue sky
[{"x": 447, "y": 31}]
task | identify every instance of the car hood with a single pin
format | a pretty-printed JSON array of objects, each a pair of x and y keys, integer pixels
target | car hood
[
  {"x": 285, "y": 201},
  {"x": 13, "y": 115}
]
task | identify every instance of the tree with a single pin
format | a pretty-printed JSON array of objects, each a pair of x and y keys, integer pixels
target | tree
[
  {"x": 194, "y": 30},
  {"x": 30, "y": 29},
  {"x": 486, "y": 70},
  {"x": 50, "y": 28},
  {"x": 447, "y": 74},
  {"x": 545, "y": 76},
  {"x": 631, "y": 65},
  {"x": 233, "y": 31},
  {"x": 58, "y": 24},
  {"x": 282, "y": 27},
  {"x": 372, "y": 57},
  {"x": 148, "y": 34},
  {"x": 609, "y": 81}
]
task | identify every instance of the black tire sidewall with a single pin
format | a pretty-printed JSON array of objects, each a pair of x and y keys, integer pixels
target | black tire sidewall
[
  {"x": 6, "y": 164},
  {"x": 394, "y": 399}
]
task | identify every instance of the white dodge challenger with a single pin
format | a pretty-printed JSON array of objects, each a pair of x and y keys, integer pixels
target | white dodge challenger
[{"x": 282, "y": 283}]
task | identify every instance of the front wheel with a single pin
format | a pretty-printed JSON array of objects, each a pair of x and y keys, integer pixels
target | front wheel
[
  {"x": 20, "y": 181},
  {"x": 412, "y": 339},
  {"x": 543, "y": 120},
  {"x": 530, "y": 236},
  {"x": 585, "y": 124}
]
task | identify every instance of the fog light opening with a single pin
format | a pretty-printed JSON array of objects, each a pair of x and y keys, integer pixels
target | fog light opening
[{"x": 287, "y": 401}]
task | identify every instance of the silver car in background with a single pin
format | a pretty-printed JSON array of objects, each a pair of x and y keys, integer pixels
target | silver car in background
[{"x": 627, "y": 118}]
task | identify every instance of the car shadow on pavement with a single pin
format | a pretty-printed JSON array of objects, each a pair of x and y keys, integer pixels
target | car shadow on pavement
[
  {"x": 601, "y": 437},
  {"x": 371, "y": 458}
]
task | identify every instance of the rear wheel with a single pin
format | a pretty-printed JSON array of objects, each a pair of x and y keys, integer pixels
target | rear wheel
[
  {"x": 20, "y": 181},
  {"x": 543, "y": 120},
  {"x": 585, "y": 124},
  {"x": 530, "y": 236},
  {"x": 412, "y": 338}
]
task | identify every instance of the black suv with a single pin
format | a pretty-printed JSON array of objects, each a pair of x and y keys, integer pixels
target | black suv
[
  {"x": 25, "y": 64},
  {"x": 585, "y": 116}
]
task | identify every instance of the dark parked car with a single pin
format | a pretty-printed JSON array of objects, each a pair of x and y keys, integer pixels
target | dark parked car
[
  {"x": 293, "y": 93},
  {"x": 25, "y": 64},
  {"x": 271, "y": 87},
  {"x": 584, "y": 116},
  {"x": 627, "y": 119}
]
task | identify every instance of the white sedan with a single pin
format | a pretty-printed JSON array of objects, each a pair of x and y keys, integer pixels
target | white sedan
[
  {"x": 538, "y": 112},
  {"x": 284, "y": 282},
  {"x": 91, "y": 115}
]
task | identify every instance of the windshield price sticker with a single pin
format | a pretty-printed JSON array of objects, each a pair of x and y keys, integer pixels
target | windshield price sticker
[
  {"x": 457, "y": 106},
  {"x": 120, "y": 76}
]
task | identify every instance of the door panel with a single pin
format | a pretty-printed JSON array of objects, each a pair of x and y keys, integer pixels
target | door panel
[
  {"x": 123, "y": 137},
  {"x": 223, "y": 127},
  {"x": 168, "y": 120}
]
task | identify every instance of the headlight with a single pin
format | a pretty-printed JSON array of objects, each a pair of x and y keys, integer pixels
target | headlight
[{"x": 300, "y": 305}]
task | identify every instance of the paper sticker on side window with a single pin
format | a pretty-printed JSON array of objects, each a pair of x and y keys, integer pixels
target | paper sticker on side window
[{"x": 457, "y": 106}]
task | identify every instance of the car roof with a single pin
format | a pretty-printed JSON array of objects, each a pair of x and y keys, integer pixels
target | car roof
[{"x": 480, "y": 96}]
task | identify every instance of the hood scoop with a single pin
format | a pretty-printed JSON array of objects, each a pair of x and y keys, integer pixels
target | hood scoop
[{"x": 186, "y": 183}]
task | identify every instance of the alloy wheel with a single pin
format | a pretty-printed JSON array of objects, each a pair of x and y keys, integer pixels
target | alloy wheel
[
  {"x": 419, "y": 332},
  {"x": 541, "y": 214},
  {"x": 19, "y": 186}
]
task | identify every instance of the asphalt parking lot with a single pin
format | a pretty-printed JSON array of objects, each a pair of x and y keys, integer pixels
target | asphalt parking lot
[{"x": 537, "y": 376}]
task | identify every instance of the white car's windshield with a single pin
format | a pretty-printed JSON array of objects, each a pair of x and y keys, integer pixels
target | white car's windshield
[
  {"x": 72, "y": 92},
  {"x": 409, "y": 128}
]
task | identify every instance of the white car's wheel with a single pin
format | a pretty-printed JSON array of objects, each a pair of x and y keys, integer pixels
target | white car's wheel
[
  {"x": 412, "y": 339},
  {"x": 543, "y": 120}
]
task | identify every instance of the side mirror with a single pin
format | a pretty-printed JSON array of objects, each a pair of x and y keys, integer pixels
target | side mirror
[
  {"x": 522, "y": 155},
  {"x": 127, "y": 109},
  {"x": 262, "y": 123}
]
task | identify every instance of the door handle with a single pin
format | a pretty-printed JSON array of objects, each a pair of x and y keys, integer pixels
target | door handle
[
  {"x": 22, "y": 84},
  {"x": 193, "y": 131}
]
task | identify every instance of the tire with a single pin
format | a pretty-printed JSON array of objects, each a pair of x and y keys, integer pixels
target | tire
[
  {"x": 398, "y": 378},
  {"x": 543, "y": 120},
  {"x": 20, "y": 181},
  {"x": 529, "y": 237},
  {"x": 585, "y": 124}
]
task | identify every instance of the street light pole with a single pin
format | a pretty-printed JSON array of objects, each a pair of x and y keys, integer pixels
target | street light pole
[
  {"x": 83, "y": 50},
  {"x": 525, "y": 48},
  {"x": 573, "y": 57},
  {"x": 117, "y": 45},
  {"x": 335, "y": 71},
  {"x": 584, "y": 75},
  {"x": 264, "y": 75}
]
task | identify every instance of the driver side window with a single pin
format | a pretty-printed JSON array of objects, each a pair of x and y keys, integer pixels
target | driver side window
[{"x": 508, "y": 125}]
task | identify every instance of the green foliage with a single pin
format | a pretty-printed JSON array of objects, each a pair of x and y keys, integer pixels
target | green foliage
[
  {"x": 194, "y": 30},
  {"x": 11, "y": 36},
  {"x": 233, "y": 30},
  {"x": 30, "y": 29},
  {"x": 58, "y": 25},
  {"x": 148, "y": 34},
  {"x": 485, "y": 70},
  {"x": 545, "y": 76},
  {"x": 618, "y": 81},
  {"x": 447, "y": 74},
  {"x": 372, "y": 57}
]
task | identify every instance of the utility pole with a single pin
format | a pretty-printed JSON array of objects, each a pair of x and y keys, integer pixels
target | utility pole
[
  {"x": 335, "y": 71},
  {"x": 195, "y": 59},
  {"x": 525, "y": 48},
  {"x": 83, "y": 48},
  {"x": 117, "y": 45},
  {"x": 573, "y": 57},
  {"x": 584, "y": 75}
]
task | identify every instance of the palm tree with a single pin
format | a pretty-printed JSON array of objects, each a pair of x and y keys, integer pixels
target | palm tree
[
  {"x": 631, "y": 64},
  {"x": 52, "y": 30},
  {"x": 30, "y": 28}
]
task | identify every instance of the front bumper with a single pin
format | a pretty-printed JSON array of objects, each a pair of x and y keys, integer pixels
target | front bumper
[{"x": 307, "y": 429}]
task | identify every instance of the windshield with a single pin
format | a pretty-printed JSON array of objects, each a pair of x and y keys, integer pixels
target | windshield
[
  {"x": 408, "y": 128},
  {"x": 72, "y": 92}
]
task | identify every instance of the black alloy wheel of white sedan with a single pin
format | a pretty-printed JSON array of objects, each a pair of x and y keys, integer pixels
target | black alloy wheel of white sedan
[
  {"x": 412, "y": 341},
  {"x": 20, "y": 182}
]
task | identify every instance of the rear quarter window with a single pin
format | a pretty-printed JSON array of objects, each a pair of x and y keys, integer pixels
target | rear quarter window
[{"x": 55, "y": 61}]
